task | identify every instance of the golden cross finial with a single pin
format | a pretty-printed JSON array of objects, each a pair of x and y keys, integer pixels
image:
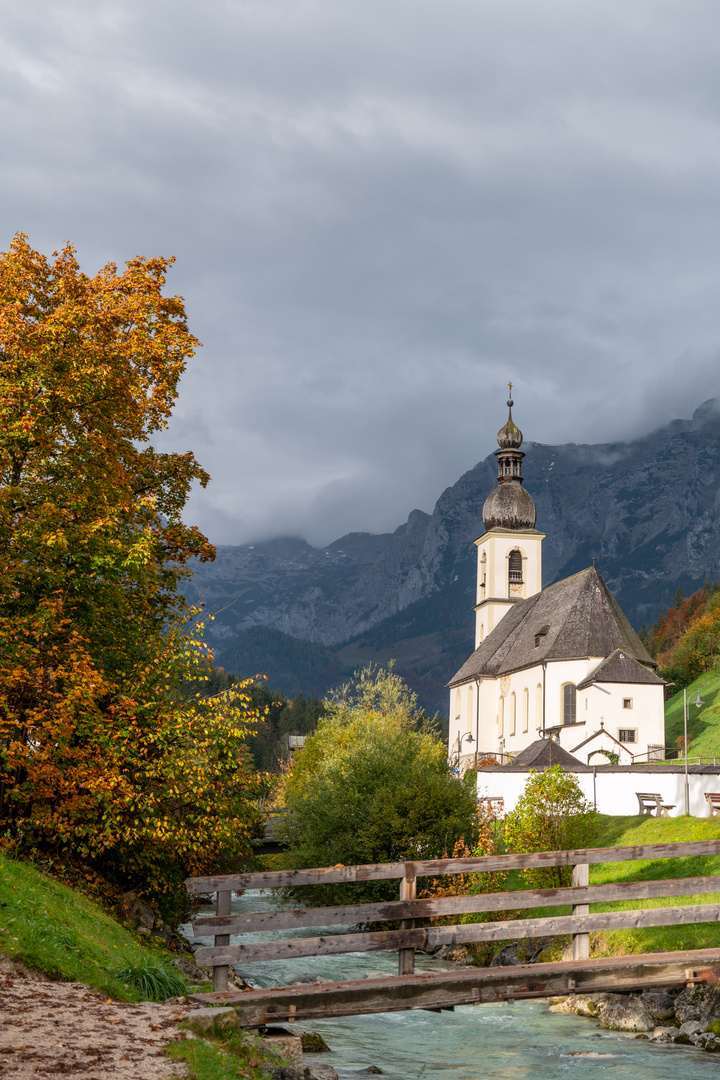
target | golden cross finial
[{"x": 509, "y": 389}]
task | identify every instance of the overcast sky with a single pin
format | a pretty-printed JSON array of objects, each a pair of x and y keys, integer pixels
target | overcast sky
[{"x": 382, "y": 210}]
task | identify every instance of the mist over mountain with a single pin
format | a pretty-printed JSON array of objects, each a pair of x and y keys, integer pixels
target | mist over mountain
[{"x": 647, "y": 511}]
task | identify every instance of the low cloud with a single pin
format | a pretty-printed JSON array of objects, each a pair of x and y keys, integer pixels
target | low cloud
[{"x": 381, "y": 214}]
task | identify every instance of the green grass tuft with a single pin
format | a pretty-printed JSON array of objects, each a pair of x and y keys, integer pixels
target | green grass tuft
[{"x": 153, "y": 981}]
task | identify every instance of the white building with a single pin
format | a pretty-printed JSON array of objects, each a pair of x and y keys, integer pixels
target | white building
[{"x": 561, "y": 662}]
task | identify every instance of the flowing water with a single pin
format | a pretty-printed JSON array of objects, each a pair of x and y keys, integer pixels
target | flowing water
[{"x": 480, "y": 1042}]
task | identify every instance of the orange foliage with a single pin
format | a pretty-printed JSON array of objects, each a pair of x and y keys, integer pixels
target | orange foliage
[{"x": 99, "y": 756}]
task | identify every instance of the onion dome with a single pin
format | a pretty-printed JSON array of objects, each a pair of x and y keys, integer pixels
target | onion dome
[
  {"x": 510, "y": 437},
  {"x": 509, "y": 506}
]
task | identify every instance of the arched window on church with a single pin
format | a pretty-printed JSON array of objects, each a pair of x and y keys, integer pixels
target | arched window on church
[
  {"x": 569, "y": 703},
  {"x": 515, "y": 573}
]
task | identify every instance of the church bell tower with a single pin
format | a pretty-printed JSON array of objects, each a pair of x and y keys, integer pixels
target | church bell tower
[{"x": 510, "y": 549}]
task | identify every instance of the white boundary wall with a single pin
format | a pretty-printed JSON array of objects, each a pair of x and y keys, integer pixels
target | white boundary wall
[{"x": 615, "y": 790}]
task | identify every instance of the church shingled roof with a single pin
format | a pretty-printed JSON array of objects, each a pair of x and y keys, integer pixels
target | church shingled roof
[
  {"x": 544, "y": 754},
  {"x": 620, "y": 667},
  {"x": 582, "y": 619}
]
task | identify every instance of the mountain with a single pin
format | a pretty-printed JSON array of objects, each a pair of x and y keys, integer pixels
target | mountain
[{"x": 647, "y": 511}]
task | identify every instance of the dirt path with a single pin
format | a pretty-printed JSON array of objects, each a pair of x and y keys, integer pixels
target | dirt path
[{"x": 66, "y": 1029}]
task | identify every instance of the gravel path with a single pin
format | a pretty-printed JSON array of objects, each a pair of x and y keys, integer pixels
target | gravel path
[{"x": 66, "y": 1029}]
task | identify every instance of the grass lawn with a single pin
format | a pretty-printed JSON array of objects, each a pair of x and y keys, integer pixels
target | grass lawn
[
  {"x": 56, "y": 930},
  {"x": 703, "y": 723},
  {"x": 628, "y": 831}
]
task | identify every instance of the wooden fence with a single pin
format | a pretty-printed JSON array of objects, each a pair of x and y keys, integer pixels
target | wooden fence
[{"x": 408, "y": 909}]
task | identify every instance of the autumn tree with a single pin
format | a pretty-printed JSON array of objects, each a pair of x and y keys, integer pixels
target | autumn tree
[{"x": 99, "y": 756}]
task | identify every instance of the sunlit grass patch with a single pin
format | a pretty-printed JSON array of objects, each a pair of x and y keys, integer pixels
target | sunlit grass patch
[{"x": 56, "y": 930}]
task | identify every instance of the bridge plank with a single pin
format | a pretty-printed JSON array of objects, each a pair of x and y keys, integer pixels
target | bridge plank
[
  {"x": 465, "y": 986},
  {"x": 350, "y": 914},
  {"x": 436, "y": 867},
  {"x": 430, "y": 937}
]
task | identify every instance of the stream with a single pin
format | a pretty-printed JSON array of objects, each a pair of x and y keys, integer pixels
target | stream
[{"x": 475, "y": 1042}]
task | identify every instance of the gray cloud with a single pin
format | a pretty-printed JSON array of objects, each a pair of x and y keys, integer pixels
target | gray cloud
[{"x": 381, "y": 212}]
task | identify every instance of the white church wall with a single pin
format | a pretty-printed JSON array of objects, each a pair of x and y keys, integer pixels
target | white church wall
[
  {"x": 505, "y": 715},
  {"x": 589, "y": 755},
  {"x": 645, "y": 714},
  {"x": 615, "y": 792}
]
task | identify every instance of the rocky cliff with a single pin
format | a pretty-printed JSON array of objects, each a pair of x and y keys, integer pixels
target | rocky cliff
[{"x": 648, "y": 512}]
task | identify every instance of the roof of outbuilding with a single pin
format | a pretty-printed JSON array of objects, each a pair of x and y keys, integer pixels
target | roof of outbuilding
[
  {"x": 619, "y": 666},
  {"x": 575, "y": 618},
  {"x": 543, "y": 754}
]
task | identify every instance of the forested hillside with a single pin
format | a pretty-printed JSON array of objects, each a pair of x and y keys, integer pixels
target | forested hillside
[{"x": 685, "y": 639}]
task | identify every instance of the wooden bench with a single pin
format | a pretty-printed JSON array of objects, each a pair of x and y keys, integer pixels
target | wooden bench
[
  {"x": 713, "y": 801},
  {"x": 652, "y": 802}
]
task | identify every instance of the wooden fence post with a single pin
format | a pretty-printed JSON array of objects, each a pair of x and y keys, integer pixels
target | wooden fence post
[
  {"x": 581, "y": 942},
  {"x": 408, "y": 891},
  {"x": 222, "y": 907}
]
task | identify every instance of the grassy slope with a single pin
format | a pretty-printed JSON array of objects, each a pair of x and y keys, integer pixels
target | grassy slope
[
  {"x": 53, "y": 929},
  {"x": 703, "y": 724}
]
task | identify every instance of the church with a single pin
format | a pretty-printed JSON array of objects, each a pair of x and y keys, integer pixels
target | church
[{"x": 561, "y": 663}]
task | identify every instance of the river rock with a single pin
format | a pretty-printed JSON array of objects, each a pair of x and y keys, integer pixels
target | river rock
[
  {"x": 458, "y": 953},
  {"x": 300, "y": 1072},
  {"x": 660, "y": 1006},
  {"x": 664, "y": 1034},
  {"x": 320, "y": 1072},
  {"x": 691, "y": 1027},
  {"x": 203, "y": 1020},
  {"x": 283, "y": 1042},
  {"x": 698, "y": 1003},
  {"x": 628, "y": 1015},
  {"x": 313, "y": 1043},
  {"x": 586, "y": 1004},
  {"x": 520, "y": 952}
]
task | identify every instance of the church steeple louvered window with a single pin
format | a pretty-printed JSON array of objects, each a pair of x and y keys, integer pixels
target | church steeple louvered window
[{"x": 515, "y": 573}]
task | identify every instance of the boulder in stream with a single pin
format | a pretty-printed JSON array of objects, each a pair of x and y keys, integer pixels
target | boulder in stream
[
  {"x": 627, "y": 1015},
  {"x": 313, "y": 1043},
  {"x": 698, "y": 1003}
]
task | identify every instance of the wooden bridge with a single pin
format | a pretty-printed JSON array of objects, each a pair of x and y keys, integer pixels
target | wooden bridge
[{"x": 473, "y": 985}]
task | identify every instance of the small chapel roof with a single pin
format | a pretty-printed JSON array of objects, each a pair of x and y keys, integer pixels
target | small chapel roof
[
  {"x": 620, "y": 667},
  {"x": 543, "y": 754},
  {"x": 572, "y": 619}
]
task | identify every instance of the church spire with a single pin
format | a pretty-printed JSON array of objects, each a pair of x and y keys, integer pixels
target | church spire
[{"x": 509, "y": 506}]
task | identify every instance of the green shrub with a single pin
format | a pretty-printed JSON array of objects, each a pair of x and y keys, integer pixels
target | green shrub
[
  {"x": 552, "y": 814},
  {"x": 372, "y": 785}
]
